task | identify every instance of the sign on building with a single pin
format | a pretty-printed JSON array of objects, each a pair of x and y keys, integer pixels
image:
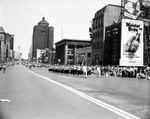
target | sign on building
[
  {"x": 134, "y": 9},
  {"x": 131, "y": 43}
]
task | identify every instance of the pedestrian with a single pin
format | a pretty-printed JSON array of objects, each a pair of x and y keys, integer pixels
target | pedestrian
[
  {"x": 4, "y": 68},
  {"x": 98, "y": 71},
  {"x": 84, "y": 68}
]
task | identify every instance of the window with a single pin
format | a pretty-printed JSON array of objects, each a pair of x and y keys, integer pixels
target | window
[
  {"x": 93, "y": 46},
  {"x": 70, "y": 52},
  {"x": 98, "y": 45},
  {"x": 89, "y": 55},
  {"x": 101, "y": 44},
  {"x": 70, "y": 57}
]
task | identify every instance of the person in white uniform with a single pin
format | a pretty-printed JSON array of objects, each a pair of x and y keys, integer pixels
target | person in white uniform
[
  {"x": 84, "y": 68},
  {"x": 98, "y": 71}
]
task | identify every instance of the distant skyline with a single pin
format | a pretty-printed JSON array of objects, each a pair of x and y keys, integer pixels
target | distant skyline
[{"x": 70, "y": 18}]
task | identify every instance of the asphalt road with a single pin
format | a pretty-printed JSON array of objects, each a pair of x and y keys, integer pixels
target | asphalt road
[
  {"x": 129, "y": 94},
  {"x": 29, "y": 96},
  {"x": 34, "y": 95}
]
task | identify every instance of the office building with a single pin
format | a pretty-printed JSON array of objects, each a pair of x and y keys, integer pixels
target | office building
[
  {"x": 43, "y": 37},
  {"x": 66, "y": 50}
]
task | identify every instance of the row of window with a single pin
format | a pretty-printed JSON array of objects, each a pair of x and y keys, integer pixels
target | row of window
[
  {"x": 98, "y": 34},
  {"x": 113, "y": 33},
  {"x": 98, "y": 22},
  {"x": 97, "y": 45}
]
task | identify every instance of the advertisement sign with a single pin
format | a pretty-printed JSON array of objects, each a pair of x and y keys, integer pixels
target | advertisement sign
[
  {"x": 131, "y": 43},
  {"x": 134, "y": 9},
  {"x": 145, "y": 3}
]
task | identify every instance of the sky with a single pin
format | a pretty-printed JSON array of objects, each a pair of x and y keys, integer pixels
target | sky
[{"x": 70, "y": 18}]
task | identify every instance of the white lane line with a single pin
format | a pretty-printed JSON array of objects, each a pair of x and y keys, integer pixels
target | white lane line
[
  {"x": 118, "y": 111},
  {"x": 4, "y": 100}
]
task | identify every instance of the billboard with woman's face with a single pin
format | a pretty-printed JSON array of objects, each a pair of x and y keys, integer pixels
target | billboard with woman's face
[{"x": 131, "y": 43}]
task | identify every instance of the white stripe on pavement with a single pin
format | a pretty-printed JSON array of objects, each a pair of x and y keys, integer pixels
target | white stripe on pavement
[
  {"x": 4, "y": 100},
  {"x": 118, "y": 111}
]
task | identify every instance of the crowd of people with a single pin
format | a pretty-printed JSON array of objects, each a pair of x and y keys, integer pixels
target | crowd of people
[{"x": 118, "y": 71}]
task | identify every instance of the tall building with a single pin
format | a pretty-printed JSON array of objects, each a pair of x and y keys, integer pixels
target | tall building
[
  {"x": 6, "y": 46},
  {"x": 43, "y": 37},
  {"x": 103, "y": 18},
  {"x": 2, "y": 45},
  {"x": 9, "y": 46},
  {"x": 11, "y": 41}
]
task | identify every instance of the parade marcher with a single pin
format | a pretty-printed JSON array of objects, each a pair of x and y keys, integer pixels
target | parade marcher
[
  {"x": 147, "y": 72},
  {"x": 98, "y": 71},
  {"x": 141, "y": 75},
  {"x": 89, "y": 70},
  {"x": 79, "y": 70},
  {"x": 84, "y": 68},
  {"x": 4, "y": 68}
]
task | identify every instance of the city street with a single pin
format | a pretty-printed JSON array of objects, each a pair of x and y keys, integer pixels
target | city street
[{"x": 38, "y": 94}]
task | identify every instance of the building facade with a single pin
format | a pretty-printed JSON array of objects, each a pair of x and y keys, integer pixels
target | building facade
[
  {"x": 103, "y": 18},
  {"x": 66, "y": 50},
  {"x": 2, "y": 45},
  {"x": 84, "y": 56},
  {"x": 39, "y": 53},
  {"x": 112, "y": 44},
  {"x": 17, "y": 56},
  {"x": 43, "y": 37},
  {"x": 9, "y": 46},
  {"x": 118, "y": 32}
]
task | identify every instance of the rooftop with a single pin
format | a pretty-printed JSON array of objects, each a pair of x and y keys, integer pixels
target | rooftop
[
  {"x": 2, "y": 30},
  {"x": 43, "y": 21}
]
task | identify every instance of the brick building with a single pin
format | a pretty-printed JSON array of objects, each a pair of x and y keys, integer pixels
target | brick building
[{"x": 112, "y": 44}]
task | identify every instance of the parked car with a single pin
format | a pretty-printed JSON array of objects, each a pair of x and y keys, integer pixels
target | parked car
[{"x": 0, "y": 67}]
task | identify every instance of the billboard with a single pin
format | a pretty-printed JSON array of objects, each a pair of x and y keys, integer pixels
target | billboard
[
  {"x": 134, "y": 8},
  {"x": 131, "y": 43},
  {"x": 131, "y": 8},
  {"x": 145, "y": 3}
]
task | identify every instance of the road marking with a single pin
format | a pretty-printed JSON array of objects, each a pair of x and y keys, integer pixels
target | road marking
[
  {"x": 118, "y": 111},
  {"x": 4, "y": 100}
]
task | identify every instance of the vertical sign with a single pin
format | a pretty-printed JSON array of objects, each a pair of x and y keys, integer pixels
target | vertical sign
[{"x": 131, "y": 43}]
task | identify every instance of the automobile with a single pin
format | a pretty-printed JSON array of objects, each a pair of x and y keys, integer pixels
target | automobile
[{"x": 0, "y": 67}]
